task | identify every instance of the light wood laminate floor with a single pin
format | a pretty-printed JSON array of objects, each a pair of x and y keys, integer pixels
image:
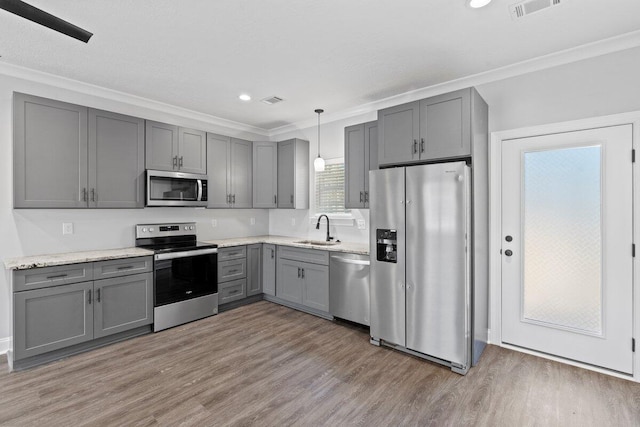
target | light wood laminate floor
[{"x": 268, "y": 365}]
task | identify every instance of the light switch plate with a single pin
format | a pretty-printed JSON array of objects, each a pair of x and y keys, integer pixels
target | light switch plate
[
  {"x": 67, "y": 228},
  {"x": 361, "y": 224}
]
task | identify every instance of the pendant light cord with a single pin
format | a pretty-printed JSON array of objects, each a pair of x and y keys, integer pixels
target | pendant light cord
[{"x": 319, "y": 111}]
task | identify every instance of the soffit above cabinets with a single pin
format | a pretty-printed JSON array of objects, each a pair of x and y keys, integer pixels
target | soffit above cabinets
[{"x": 200, "y": 55}]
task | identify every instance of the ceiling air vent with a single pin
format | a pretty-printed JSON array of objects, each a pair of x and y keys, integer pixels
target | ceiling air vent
[
  {"x": 272, "y": 100},
  {"x": 527, "y": 7}
]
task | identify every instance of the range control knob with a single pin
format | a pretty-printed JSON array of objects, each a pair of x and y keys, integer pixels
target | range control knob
[
  {"x": 191, "y": 227},
  {"x": 186, "y": 228},
  {"x": 144, "y": 229},
  {"x": 150, "y": 229}
]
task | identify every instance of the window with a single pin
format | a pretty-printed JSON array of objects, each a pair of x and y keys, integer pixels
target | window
[{"x": 330, "y": 188}]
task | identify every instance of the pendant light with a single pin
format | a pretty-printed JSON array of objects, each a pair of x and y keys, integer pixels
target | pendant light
[{"x": 318, "y": 163}]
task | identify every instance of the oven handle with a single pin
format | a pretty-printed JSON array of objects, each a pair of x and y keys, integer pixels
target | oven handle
[{"x": 185, "y": 254}]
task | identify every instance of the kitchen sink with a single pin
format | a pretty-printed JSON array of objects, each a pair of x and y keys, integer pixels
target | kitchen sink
[{"x": 317, "y": 242}]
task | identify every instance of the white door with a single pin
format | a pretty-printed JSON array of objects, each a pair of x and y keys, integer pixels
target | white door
[{"x": 567, "y": 230}]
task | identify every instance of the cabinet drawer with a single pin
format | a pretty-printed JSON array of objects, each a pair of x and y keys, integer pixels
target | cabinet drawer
[
  {"x": 232, "y": 291},
  {"x": 232, "y": 270},
  {"x": 314, "y": 256},
  {"x": 232, "y": 253},
  {"x": 43, "y": 277},
  {"x": 122, "y": 267}
]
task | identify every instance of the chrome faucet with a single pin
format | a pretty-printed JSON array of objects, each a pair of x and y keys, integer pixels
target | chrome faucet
[{"x": 329, "y": 238}]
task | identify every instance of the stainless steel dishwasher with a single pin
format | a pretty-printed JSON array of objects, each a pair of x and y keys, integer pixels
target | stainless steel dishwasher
[{"x": 349, "y": 287}]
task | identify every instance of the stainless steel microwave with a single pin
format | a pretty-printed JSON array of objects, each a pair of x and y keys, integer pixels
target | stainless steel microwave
[{"x": 176, "y": 189}]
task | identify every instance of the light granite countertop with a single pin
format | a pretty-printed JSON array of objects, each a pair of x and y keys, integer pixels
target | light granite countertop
[
  {"x": 350, "y": 247},
  {"x": 49, "y": 260}
]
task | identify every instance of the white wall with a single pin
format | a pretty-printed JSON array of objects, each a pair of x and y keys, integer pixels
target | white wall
[{"x": 593, "y": 87}]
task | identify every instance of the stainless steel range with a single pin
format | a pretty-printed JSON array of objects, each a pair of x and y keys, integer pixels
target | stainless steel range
[{"x": 185, "y": 273}]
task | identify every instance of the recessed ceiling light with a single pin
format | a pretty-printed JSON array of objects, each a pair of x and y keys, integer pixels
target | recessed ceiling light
[
  {"x": 478, "y": 3},
  {"x": 245, "y": 97}
]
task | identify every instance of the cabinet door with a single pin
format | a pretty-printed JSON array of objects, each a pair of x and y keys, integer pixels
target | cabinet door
[
  {"x": 241, "y": 173},
  {"x": 50, "y": 153},
  {"x": 116, "y": 160},
  {"x": 445, "y": 125},
  {"x": 289, "y": 285},
  {"x": 218, "y": 165},
  {"x": 286, "y": 173},
  {"x": 52, "y": 318},
  {"x": 370, "y": 155},
  {"x": 192, "y": 151},
  {"x": 265, "y": 174},
  {"x": 354, "y": 166},
  {"x": 269, "y": 269},
  {"x": 254, "y": 269},
  {"x": 161, "y": 146},
  {"x": 315, "y": 286},
  {"x": 399, "y": 131},
  {"x": 122, "y": 303}
]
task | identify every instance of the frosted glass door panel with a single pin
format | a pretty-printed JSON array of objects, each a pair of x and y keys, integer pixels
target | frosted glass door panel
[{"x": 562, "y": 238}]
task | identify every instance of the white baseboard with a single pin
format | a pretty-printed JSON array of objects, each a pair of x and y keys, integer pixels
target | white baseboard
[{"x": 5, "y": 345}]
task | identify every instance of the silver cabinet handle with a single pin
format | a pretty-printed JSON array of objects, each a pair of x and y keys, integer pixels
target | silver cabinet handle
[
  {"x": 275, "y": 199},
  {"x": 175, "y": 162},
  {"x": 303, "y": 273},
  {"x": 234, "y": 292},
  {"x": 93, "y": 194},
  {"x": 298, "y": 272},
  {"x": 272, "y": 253},
  {"x": 366, "y": 197},
  {"x": 58, "y": 276},
  {"x": 98, "y": 295},
  {"x": 181, "y": 162},
  {"x": 233, "y": 271},
  {"x": 422, "y": 145},
  {"x": 125, "y": 267},
  {"x": 84, "y": 194},
  {"x": 89, "y": 296},
  {"x": 234, "y": 199},
  {"x": 415, "y": 146},
  {"x": 361, "y": 196},
  {"x": 229, "y": 198},
  {"x": 292, "y": 198}
]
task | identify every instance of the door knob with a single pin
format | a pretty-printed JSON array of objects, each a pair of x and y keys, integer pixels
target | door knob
[
  {"x": 508, "y": 252},
  {"x": 508, "y": 238}
]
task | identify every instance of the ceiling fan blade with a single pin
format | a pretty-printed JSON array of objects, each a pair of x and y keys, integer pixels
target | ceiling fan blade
[{"x": 41, "y": 17}]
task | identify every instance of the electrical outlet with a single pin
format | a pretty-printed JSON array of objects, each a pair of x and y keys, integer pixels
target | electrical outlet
[
  {"x": 361, "y": 224},
  {"x": 214, "y": 223},
  {"x": 253, "y": 221},
  {"x": 67, "y": 228},
  {"x": 293, "y": 222}
]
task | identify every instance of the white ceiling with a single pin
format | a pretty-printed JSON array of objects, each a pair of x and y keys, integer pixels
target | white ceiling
[{"x": 331, "y": 54}]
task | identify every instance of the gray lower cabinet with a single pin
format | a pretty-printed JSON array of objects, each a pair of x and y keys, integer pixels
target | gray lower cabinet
[
  {"x": 64, "y": 314},
  {"x": 269, "y": 269},
  {"x": 434, "y": 128},
  {"x": 360, "y": 156},
  {"x": 230, "y": 163},
  {"x": 254, "y": 269},
  {"x": 173, "y": 148},
  {"x": 265, "y": 174},
  {"x": 70, "y": 156},
  {"x": 232, "y": 274},
  {"x": 303, "y": 282},
  {"x": 293, "y": 174}
]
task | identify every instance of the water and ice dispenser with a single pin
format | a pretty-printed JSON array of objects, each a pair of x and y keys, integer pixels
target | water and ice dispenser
[{"x": 387, "y": 245}]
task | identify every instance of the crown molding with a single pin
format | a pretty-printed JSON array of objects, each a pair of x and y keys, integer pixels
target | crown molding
[
  {"x": 41, "y": 77},
  {"x": 586, "y": 51}
]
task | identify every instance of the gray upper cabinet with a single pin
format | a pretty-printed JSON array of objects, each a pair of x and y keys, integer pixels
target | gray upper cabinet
[
  {"x": 192, "y": 151},
  {"x": 254, "y": 269},
  {"x": 116, "y": 160},
  {"x": 50, "y": 153},
  {"x": 265, "y": 174},
  {"x": 293, "y": 174},
  {"x": 69, "y": 156},
  {"x": 172, "y": 148},
  {"x": 399, "y": 134},
  {"x": 229, "y": 161},
  {"x": 269, "y": 269},
  {"x": 361, "y": 156},
  {"x": 122, "y": 303},
  {"x": 434, "y": 128}
]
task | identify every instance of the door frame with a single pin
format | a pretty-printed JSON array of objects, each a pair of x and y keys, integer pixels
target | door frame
[{"x": 495, "y": 227}]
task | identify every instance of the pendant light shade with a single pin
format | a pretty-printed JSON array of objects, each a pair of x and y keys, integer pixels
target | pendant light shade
[{"x": 318, "y": 163}]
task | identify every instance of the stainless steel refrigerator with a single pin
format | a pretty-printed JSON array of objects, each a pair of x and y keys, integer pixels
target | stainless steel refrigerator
[{"x": 420, "y": 261}]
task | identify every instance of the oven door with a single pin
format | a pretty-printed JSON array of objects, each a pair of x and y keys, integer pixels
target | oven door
[{"x": 180, "y": 276}]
